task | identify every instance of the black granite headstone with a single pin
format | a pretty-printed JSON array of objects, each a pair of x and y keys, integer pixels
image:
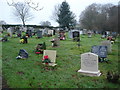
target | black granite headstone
[
  {"x": 76, "y": 34},
  {"x": 23, "y": 53},
  {"x": 101, "y": 51}
]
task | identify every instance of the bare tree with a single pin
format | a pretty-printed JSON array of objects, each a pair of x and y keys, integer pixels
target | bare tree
[{"x": 22, "y": 10}]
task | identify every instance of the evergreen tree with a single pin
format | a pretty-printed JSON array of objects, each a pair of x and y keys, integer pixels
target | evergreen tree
[{"x": 66, "y": 18}]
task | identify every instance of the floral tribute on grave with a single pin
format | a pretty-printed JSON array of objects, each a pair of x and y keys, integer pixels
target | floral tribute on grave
[
  {"x": 46, "y": 60},
  {"x": 40, "y": 48}
]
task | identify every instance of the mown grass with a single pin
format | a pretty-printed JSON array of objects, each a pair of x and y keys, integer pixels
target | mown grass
[{"x": 31, "y": 73}]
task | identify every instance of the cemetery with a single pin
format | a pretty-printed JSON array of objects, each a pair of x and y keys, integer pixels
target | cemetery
[
  {"x": 38, "y": 64},
  {"x": 66, "y": 44}
]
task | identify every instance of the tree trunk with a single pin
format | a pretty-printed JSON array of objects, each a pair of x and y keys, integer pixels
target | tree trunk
[{"x": 23, "y": 23}]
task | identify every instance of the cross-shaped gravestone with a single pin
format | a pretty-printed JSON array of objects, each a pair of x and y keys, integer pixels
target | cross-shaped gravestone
[{"x": 89, "y": 64}]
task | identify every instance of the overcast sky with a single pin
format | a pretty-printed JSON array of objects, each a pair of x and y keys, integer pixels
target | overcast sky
[{"x": 76, "y": 6}]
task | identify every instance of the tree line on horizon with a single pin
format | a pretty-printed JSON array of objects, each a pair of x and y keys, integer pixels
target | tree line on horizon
[{"x": 94, "y": 17}]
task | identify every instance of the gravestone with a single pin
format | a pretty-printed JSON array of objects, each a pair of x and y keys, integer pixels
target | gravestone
[
  {"x": 84, "y": 31},
  {"x": 89, "y": 34},
  {"x": 89, "y": 64},
  {"x": 52, "y": 56},
  {"x": 9, "y": 30},
  {"x": 95, "y": 49},
  {"x": 70, "y": 34},
  {"x": 50, "y": 32},
  {"x": 1, "y": 29},
  {"x": 55, "y": 42},
  {"x": 29, "y": 32},
  {"x": 108, "y": 44},
  {"x": 61, "y": 35},
  {"x": 101, "y": 51},
  {"x": 18, "y": 33},
  {"x": 114, "y": 34},
  {"x": 39, "y": 34},
  {"x": 23, "y": 54},
  {"x": 53, "y": 32},
  {"x": 74, "y": 33}
]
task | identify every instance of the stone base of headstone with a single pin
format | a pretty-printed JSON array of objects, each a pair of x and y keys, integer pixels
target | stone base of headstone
[
  {"x": 51, "y": 64},
  {"x": 89, "y": 73}
]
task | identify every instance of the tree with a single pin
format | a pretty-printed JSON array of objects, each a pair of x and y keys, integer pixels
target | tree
[
  {"x": 88, "y": 17},
  {"x": 64, "y": 16},
  {"x": 113, "y": 18},
  {"x": 100, "y": 17},
  {"x": 2, "y": 22},
  {"x": 22, "y": 10},
  {"x": 45, "y": 23}
]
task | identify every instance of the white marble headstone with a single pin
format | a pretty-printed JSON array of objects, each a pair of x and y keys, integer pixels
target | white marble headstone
[
  {"x": 52, "y": 56},
  {"x": 89, "y": 64}
]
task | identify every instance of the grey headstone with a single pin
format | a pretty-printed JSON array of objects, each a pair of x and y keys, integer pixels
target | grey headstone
[
  {"x": 108, "y": 44},
  {"x": 39, "y": 34}
]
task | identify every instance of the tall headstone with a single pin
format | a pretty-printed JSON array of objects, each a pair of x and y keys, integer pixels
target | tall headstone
[
  {"x": 89, "y": 64},
  {"x": 70, "y": 34},
  {"x": 108, "y": 44}
]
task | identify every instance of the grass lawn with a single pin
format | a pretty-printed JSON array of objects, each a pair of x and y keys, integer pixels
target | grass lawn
[{"x": 31, "y": 73}]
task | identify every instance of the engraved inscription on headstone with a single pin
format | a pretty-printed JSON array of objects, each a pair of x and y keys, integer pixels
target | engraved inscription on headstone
[
  {"x": 89, "y": 64},
  {"x": 101, "y": 51}
]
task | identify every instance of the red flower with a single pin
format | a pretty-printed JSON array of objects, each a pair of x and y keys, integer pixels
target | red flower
[
  {"x": 45, "y": 57},
  {"x": 37, "y": 52}
]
